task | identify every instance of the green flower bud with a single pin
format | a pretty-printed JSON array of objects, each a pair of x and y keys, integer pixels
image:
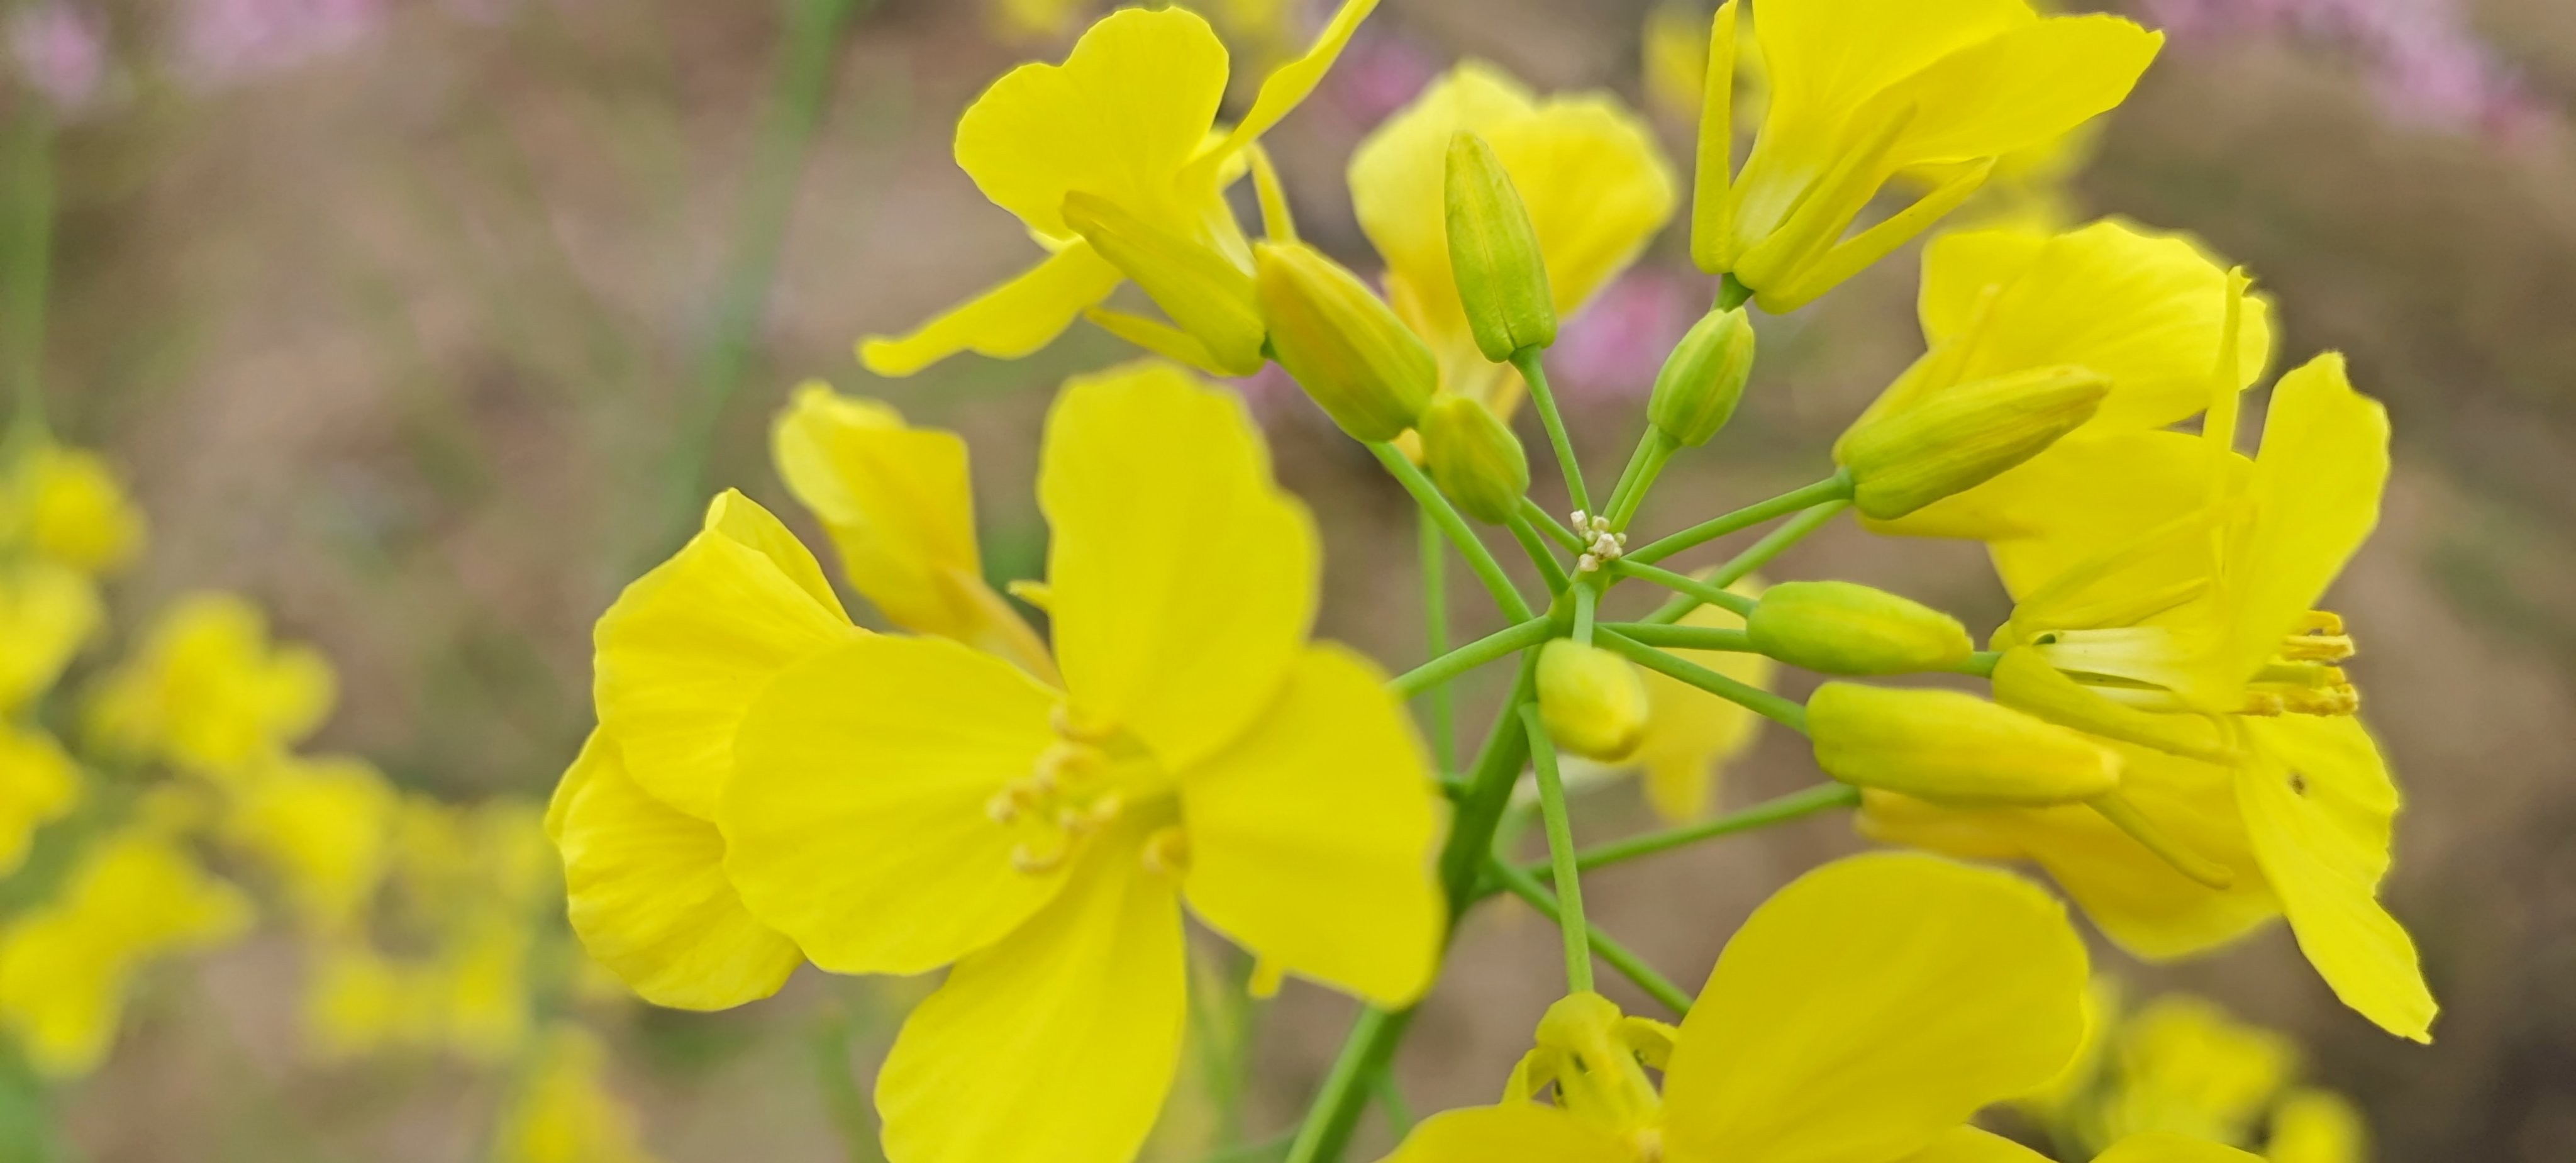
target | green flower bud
[
  {"x": 1206, "y": 294},
  {"x": 1591, "y": 701},
  {"x": 1696, "y": 393},
  {"x": 2025, "y": 681},
  {"x": 1953, "y": 748},
  {"x": 1342, "y": 343},
  {"x": 1474, "y": 457},
  {"x": 1962, "y": 437},
  {"x": 1493, "y": 250},
  {"x": 1841, "y": 628}
]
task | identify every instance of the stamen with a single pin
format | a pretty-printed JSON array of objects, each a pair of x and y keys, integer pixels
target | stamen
[
  {"x": 2320, "y": 622},
  {"x": 1028, "y": 860},
  {"x": 1073, "y": 724},
  {"x": 2316, "y": 648},
  {"x": 1167, "y": 851}
]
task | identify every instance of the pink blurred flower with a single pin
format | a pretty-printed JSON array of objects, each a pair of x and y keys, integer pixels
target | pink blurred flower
[
  {"x": 2425, "y": 64},
  {"x": 1612, "y": 349},
  {"x": 61, "y": 52},
  {"x": 221, "y": 41}
]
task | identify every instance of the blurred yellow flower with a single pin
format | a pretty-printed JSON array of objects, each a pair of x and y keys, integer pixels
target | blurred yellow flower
[
  {"x": 1043, "y": 839},
  {"x": 1115, "y": 163},
  {"x": 1866, "y": 1011},
  {"x": 67, "y": 506},
  {"x": 323, "y": 828},
  {"x": 1863, "y": 91},
  {"x": 38, "y": 785},
  {"x": 47, "y": 613},
  {"x": 209, "y": 692},
  {"x": 357, "y": 1001},
  {"x": 564, "y": 1111},
  {"x": 66, "y": 965},
  {"x": 1587, "y": 169}
]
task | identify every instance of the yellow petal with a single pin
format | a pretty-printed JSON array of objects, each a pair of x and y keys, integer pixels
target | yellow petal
[
  {"x": 565, "y": 1112},
  {"x": 2319, "y": 804},
  {"x": 210, "y": 692},
  {"x": 61, "y": 995},
  {"x": 2164, "y": 1148},
  {"x": 689, "y": 645},
  {"x": 1289, "y": 85},
  {"x": 1827, "y": 57},
  {"x": 857, "y": 819},
  {"x": 2188, "y": 1067},
  {"x": 2018, "y": 89},
  {"x": 46, "y": 613},
  {"x": 897, "y": 501},
  {"x": 2317, "y": 483},
  {"x": 649, "y": 895},
  {"x": 1520, "y": 1132},
  {"x": 77, "y": 512},
  {"x": 1690, "y": 733},
  {"x": 1056, "y": 1045},
  {"x": 324, "y": 830},
  {"x": 1183, "y": 578},
  {"x": 1119, "y": 119},
  {"x": 1311, "y": 838},
  {"x": 39, "y": 783},
  {"x": 1871, "y": 1006},
  {"x": 1970, "y": 1145},
  {"x": 2086, "y": 496},
  {"x": 1008, "y": 321},
  {"x": 2317, "y": 1126}
]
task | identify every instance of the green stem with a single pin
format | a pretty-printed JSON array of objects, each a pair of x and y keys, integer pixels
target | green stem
[
  {"x": 1837, "y": 487},
  {"x": 853, "y": 1120},
  {"x": 1437, "y": 672},
  {"x": 1686, "y": 637},
  {"x": 1336, "y": 1112},
  {"x": 1732, "y": 294},
  {"x": 1479, "y": 559},
  {"x": 1585, "y": 599},
  {"x": 1548, "y": 524},
  {"x": 1390, "y": 1098},
  {"x": 1698, "y": 590},
  {"x": 1560, "y": 851},
  {"x": 1534, "y": 372},
  {"x": 1787, "y": 712},
  {"x": 1644, "y": 467},
  {"x": 1756, "y": 556},
  {"x": 1550, "y": 569},
  {"x": 1435, "y": 620},
  {"x": 1794, "y": 806},
  {"x": 1612, "y": 953}
]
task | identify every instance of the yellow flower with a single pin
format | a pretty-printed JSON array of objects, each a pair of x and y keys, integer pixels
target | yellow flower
[
  {"x": 564, "y": 1111},
  {"x": 324, "y": 828},
  {"x": 1043, "y": 839},
  {"x": 67, "y": 506},
  {"x": 2209, "y": 612},
  {"x": 358, "y": 1002},
  {"x": 66, "y": 965},
  {"x": 1969, "y": 1145},
  {"x": 899, "y": 505},
  {"x": 210, "y": 692},
  {"x": 1862, "y": 91},
  {"x": 47, "y": 612},
  {"x": 1866, "y": 1011},
  {"x": 2317, "y": 1126},
  {"x": 1115, "y": 163},
  {"x": 1596, "y": 186},
  {"x": 38, "y": 785}
]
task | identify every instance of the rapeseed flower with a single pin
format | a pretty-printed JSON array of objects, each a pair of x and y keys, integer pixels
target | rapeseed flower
[
  {"x": 900, "y": 804},
  {"x": 1115, "y": 162},
  {"x": 1595, "y": 184},
  {"x": 39, "y": 784},
  {"x": 1860, "y": 94},
  {"x": 564, "y": 1111},
  {"x": 1866, "y": 1011},
  {"x": 47, "y": 613},
  {"x": 210, "y": 692},
  {"x": 67, "y": 506},
  {"x": 324, "y": 828}
]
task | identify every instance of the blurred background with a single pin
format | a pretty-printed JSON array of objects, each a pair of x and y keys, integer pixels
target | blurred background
[{"x": 428, "y": 323}]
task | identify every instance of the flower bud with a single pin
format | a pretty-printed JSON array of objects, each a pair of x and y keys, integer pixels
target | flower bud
[
  {"x": 1493, "y": 251},
  {"x": 1474, "y": 457},
  {"x": 2025, "y": 681},
  {"x": 1342, "y": 344},
  {"x": 1702, "y": 380},
  {"x": 1591, "y": 701},
  {"x": 1204, "y": 292},
  {"x": 1841, "y": 628},
  {"x": 1952, "y": 748},
  {"x": 1962, "y": 437}
]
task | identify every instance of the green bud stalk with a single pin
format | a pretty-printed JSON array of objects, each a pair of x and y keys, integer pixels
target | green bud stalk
[
  {"x": 1591, "y": 701},
  {"x": 1206, "y": 294},
  {"x": 1473, "y": 457},
  {"x": 1702, "y": 381},
  {"x": 1370, "y": 373},
  {"x": 1841, "y": 628},
  {"x": 1493, "y": 251},
  {"x": 1953, "y": 748},
  {"x": 1962, "y": 437}
]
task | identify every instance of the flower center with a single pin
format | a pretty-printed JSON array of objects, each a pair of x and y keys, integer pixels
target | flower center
[
  {"x": 2146, "y": 667},
  {"x": 1601, "y": 543},
  {"x": 1092, "y": 777},
  {"x": 1596, "y": 1058}
]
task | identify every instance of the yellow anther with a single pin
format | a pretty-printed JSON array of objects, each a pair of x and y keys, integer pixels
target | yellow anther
[
  {"x": 1167, "y": 852},
  {"x": 1649, "y": 1142},
  {"x": 2316, "y": 648},
  {"x": 1070, "y": 764},
  {"x": 1030, "y": 861},
  {"x": 2263, "y": 703},
  {"x": 2334, "y": 700},
  {"x": 1004, "y": 807},
  {"x": 1084, "y": 820},
  {"x": 1071, "y": 723},
  {"x": 2320, "y": 622}
]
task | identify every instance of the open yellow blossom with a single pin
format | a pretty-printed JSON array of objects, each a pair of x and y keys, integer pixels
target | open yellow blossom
[
  {"x": 1594, "y": 182},
  {"x": 564, "y": 1111},
  {"x": 66, "y": 965},
  {"x": 67, "y": 506},
  {"x": 38, "y": 785},
  {"x": 324, "y": 829},
  {"x": 2209, "y": 616},
  {"x": 901, "y": 804},
  {"x": 210, "y": 692},
  {"x": 1866, "y": 1011},
  {"x": 1864, "y": 91},
  {"x": 1115, "y": 162},
  {"x": 899, "y": 504}
]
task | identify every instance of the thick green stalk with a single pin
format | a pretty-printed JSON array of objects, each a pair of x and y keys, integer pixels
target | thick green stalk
[
  {"x": 1479, "y": 559},
  {"x": 1435, "y": 620},
  {"x": 1756, "y": 556},
  {"x": 1837, "y": 487},
  {"x": 1794, "y": 806},
  {"x": 1732, "y": 294},
  {"x": 1616, "y": 955},
  {"x": 1560, "y": 852},
  {"x": 1437, "y": 672},
  {"x": 1530, "y": 361},
  {"x": 1685, "y": 584},
  {"x": 1787, "y": 712}
]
